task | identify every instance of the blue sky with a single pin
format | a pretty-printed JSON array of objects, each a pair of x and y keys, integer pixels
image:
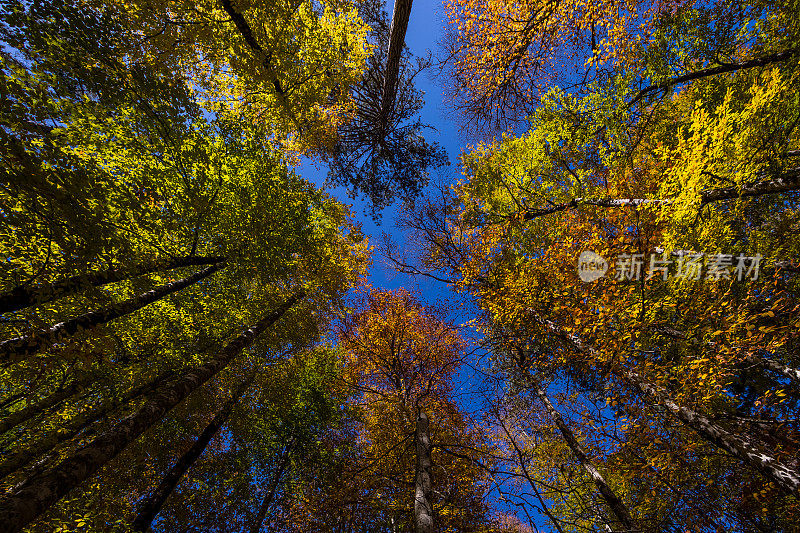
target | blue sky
[{"x": 425, "y": 28}]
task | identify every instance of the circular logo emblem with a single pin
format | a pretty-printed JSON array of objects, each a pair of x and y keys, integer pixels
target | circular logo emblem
[{"x": 591, "y": 266}]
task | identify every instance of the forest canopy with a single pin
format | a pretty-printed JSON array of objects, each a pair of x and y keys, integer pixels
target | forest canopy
[{"x": 594, "y": 320}]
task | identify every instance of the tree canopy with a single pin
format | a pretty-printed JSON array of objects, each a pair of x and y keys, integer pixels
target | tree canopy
[{"x": 191, "y": 338}]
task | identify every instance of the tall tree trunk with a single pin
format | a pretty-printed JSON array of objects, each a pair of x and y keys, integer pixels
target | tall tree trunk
[
  {"x": 792, "y": 374},
  {"x": 16, "y": 349},
  {"x": 265, "y": 55},
  {"x": 769, "y": 59},
  {"x": 270, "y": 495},
  {"x": 39, "y": 493},
  {"x": 397, "y": 39},
  {"x": 524, "y": 467},
  {"x": 53, "y": 399},
  {"x": 41, "y": 446},
  {"x": 785, "y": 477},
  {"x": 615, "y": 504},
  {"x": 155, "y": 501},
  {"x": 26, "y": 296},
  {"x": 788, "y": 181},
  {"x": 11, "y": 400},
  {"x": 423, "y": 509}
]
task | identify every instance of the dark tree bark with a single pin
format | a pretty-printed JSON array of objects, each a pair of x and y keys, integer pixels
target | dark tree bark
[
  {"x": 616, "y": 505},
  {"x": 151, "y": 506},
  {"x": 53, "y": 399},
  {"x": 43, "y": 445},
  {"x": 763, "y": 61},
  {"x": 270, "y": 495},
  {"x": 11, "y": 400},
  {"x": 26, "y": 296},
  {"x": 247, "y": 34},
  {"x": 397, "y": 39},
  {"x": 423, "y": 509},
  {"x": 16, "y": 349},
  {"x": 788, "y": 181},
  {"x": 36, "y": 495}
]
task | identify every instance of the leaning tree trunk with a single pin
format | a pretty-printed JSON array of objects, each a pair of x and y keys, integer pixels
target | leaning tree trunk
[
  {"x": 46, "y": 443},
  {"x": 26, "y": 296},
  {"x": 785, "y": 477},
  {"x": 11, "y": 400},
  {"x": 270, "y": 495},
  {"x": 16, "y": 349},
  {"x": 155, "y": 501},
  {"x": 39, "y": 493},
  {"x": 792, "y": 374},
  {"x": 617, "y": 506},
  {"x": 423, "y": 510},
  {"x": 53, "y": 399}
]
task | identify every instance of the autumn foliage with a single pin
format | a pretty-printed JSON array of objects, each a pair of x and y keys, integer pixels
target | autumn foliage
[{"x": 188, "y": 337}]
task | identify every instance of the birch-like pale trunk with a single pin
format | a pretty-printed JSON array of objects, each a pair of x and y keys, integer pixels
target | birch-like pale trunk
[
  {"x": 788, "y": 181},
  {"x": 784, "y": 476},
  {"x": 792, "y": 374},
  {"x": 423, "y": 509},
  {"x": 616, "y": 505}
]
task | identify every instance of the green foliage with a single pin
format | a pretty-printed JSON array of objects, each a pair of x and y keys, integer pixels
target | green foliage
[{"x": 112, "y": 161}]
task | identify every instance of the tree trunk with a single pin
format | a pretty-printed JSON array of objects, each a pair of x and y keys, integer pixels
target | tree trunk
[
  {"x": 270, "y": 495},
  {"x": 788, "y": 372},
  {"x": 55, "y": 398},
  {"x": 788, "y": 181},
  {"x": 26, "y": 296},
  {"x": 783, "y": 476},
  {"x": 155, "y": 501},
  {"x": 38, "y": 494},
  {"x": 524, "y": 467},
  {"x": 423, "y": 510},
  {"x": 787, "y": 478},
  {"x": 43, "y": 445},
  {"x": 792, "y": 374},
  {"x": 11, "y": 400},
  {"x": 769, "y": 59},
  {"x": 617, "y": 506},
  {"x": 13, "y": 350},
  {"x": 265, "y": 55},
  {"x": 397, "y": 39}
]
